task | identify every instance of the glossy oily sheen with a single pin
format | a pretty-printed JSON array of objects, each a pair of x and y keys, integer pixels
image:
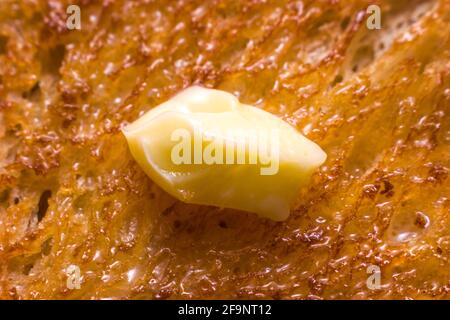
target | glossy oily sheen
[{"x": 376, "y": 101}]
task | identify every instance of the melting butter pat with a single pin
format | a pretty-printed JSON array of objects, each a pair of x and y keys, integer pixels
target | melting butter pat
[{"x": 205, "y": 147}]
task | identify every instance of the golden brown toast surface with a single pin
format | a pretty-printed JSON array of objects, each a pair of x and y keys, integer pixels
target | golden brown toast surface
[{"x": 377, "y": 101}]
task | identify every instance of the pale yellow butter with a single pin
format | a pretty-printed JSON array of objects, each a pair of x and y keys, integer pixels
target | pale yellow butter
[{"x": 205, "y": 147}]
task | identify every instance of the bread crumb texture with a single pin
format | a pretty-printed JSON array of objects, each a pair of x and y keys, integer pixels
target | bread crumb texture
[{"x": 376, "y": 101}]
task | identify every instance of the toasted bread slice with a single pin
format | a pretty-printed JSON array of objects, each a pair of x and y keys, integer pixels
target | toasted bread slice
[{"x": 73, "y": 198}]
